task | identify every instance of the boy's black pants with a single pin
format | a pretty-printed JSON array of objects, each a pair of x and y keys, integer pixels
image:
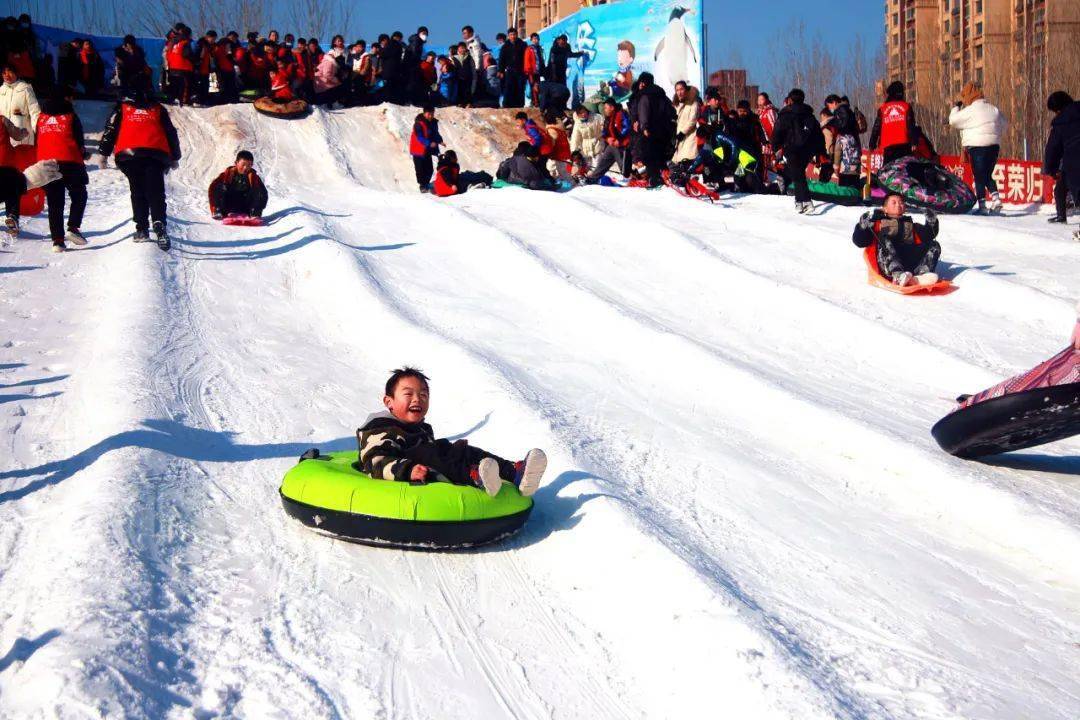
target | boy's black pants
[
  {"x": 455, "y": 459},
  {"x": 424, "y": 167}
]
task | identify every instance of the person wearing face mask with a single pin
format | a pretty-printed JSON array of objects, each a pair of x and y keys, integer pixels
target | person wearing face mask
[
  {"x": 19, "y": 104},
  {"x": 414, "y": 55}
]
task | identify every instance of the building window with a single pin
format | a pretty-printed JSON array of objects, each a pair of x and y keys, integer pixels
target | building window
[
  {"x": 978, "y": 29},
  {"x": 978, "y": 6},
  {"x": 978, "y": 52},
  {"x": 946, "y": 27}
]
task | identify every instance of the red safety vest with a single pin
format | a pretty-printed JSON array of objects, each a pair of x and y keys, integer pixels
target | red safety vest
[
  {"x": 561, "y": 144},
  {"x": 223, "y": 58},
  {"x": 55, "y": 139},
  {"x": 444, "y": 187},
  {"x": 416, "y": 148},
  {"x": 894, "y": 123},
  {"x": 177, "y": 59},
  {"x": 141, "y": 129}
]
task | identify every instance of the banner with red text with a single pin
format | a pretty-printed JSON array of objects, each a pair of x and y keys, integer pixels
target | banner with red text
[{"x": 1020, "y": 182}]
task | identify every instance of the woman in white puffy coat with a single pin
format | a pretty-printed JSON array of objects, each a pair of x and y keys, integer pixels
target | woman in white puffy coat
[
  {"x": 981, "y": 126},
  {"x": 687, "y": 107},
  {"x": 19, "y": 104},
  {"x": 587, "y": 135}
]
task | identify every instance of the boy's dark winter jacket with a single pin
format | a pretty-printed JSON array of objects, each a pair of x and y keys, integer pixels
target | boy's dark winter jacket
[
  {"x": 385, "y": 443},
  {"x": 798, "y": 131},
  {"x": 1063, "y": 145}
]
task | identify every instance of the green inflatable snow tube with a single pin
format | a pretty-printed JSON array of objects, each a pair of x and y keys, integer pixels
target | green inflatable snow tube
[
  {"x": 830, "y": 192},
  {"x": 331, "y": 495}
]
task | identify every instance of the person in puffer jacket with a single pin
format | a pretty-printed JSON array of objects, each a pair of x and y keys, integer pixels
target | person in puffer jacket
[
  {"x": 587, "y": 137},
  {"x": 906, "y": 251},
  {"x": 397, "y": 445},
  {"x": 981, "y": 126},
  {"x": 450, "y": 180},
  {"x": 687, "y": 108}
]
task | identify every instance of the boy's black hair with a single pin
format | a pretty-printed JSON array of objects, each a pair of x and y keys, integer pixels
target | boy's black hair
[
  {"x": 1058, "y": 101},
  {"x": 832, "y": 98},
  {"x": 404, "y": 372},
  {"x": 521, "y": 116},
  {"x": 797, "y": 95},
  {"x": 891, "y": 194},
  {"x": 469, "y": 28},
  {"x": 245, "y": 155},
  {"x": 743, "y": 105},
  {"x": 428, "y": 107}
]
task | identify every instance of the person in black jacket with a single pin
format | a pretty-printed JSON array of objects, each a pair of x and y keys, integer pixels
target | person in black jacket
[
  {"x": 142, "y": 135},
  {"x": 414, "y": 53},
  {"x": 655, "y": 127},
  {"x": 847, "y": 149},
  {"x": 131, "y": 68},
  {"x": 67, "y": 62},
  {"x": 907, "y": 253},
  {"x": 744, "y": 128},
  {"x": 392, "y": 68},
  {"x": 798, "y": 137},
  {"x": 1061, "y": 160},
  {"x": 525, "y": 168},
  {"x": 512, "y": 70},
  {"x": 559, "y": 57}
]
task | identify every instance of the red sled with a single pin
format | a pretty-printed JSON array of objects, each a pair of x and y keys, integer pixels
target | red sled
[
  {"x": 243, "y": 220},
  {"x": 875, "y": 278},
  {"x": 33, "y": 201},
  {"x": 694, "y": 188}
]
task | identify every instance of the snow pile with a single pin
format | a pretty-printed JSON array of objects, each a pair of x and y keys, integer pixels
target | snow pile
[{"x": 745, "y": 515}]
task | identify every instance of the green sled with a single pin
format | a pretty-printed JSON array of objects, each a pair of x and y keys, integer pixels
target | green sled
[{"x": 331, "y": 495}]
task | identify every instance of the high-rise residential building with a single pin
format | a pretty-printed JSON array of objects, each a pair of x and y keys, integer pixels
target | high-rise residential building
[
  {"x": 732, "y": 86},
  {"x": 1018, "y": 50},
  {"x": 535, "y": 15}
]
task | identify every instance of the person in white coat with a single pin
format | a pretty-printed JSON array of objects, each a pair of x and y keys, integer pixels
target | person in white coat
[
  {"x": 587, "y": 135},
  {"x": 476, "y": 52},
  {"x": 687, "y": 106},
  {"x": 981, "y": 126},
  {"x": 19, "y": 104}
]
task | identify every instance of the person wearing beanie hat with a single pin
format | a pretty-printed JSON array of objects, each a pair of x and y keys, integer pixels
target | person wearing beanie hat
[
  {"x": 1061, "y": 158},
  {"x": 981, "y": 126}
]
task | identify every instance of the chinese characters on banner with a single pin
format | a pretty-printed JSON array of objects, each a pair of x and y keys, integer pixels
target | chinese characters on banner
[{"x": 1019, "y": 182}]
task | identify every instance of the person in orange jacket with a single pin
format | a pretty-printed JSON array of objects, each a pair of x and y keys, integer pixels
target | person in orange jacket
[
  {"x": 60, "y": 138},
  {"x": 238, "y": 190}
]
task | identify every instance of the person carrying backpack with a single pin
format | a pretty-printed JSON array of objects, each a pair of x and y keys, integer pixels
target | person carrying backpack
[{"x": 798, "y": 138}]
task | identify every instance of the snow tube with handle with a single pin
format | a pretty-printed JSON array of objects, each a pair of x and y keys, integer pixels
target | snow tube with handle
[
  {"x": 875, "y": 278},
  {"x": 33, "y": 201},
  {"x": 283, "y": 110},
  {"x": 926, "y": 184},
  {"x": 560, "y": 185},
  {"x": 331, "y": 495},
  {"x": 830, "y": 192},
  {"x": 1011, "y": 422}
]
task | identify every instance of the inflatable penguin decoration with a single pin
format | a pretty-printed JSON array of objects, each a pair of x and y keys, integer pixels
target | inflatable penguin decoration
[{"x": 675, "y": 57}]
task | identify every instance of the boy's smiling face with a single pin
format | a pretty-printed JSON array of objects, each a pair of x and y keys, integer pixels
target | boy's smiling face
[{"x": 409, "y": 403}]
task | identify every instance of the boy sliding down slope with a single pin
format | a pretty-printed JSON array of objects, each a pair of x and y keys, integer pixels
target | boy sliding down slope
[
  {"x": 907, "y": 253},
  {"x": 398, "y": 445}
]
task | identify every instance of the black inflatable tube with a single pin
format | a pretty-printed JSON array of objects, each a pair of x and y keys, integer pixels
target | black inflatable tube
[
  {"x": 411, "y": 534},
  {"x": 1011, "y": 422}
]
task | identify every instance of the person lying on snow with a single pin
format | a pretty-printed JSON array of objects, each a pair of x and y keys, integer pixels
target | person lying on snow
[
  {"x": 238, "y": 190},
  {"x": 396, "y": 444},
  {"x": 906, "y": 251},
  {"x": 1062, "y": 369},
  {"x": 450, "y": 180},
  {"x": 525, "y": 168}
]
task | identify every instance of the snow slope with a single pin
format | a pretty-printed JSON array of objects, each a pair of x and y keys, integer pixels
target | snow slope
[{"x": 745, "y": 514}]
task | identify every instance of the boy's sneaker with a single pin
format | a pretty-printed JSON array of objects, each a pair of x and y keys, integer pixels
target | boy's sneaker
[
  {"x": 59, "y": 247},
  {"x": 160, "y": 236},
  {"x": 926, "y": 278},
  {"x": 488, "y": 476},
  {"x": 903, "y": 279},
  {"x": 12, "y": 226},
  {"x": 527, "y": 472},
  {"x": 140, "y": 236},
  {"x": 995, "y": 203},
  {"x": 75, "y": 237}
]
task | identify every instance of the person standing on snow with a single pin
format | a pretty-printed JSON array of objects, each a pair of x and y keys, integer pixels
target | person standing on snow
[
  {"x": 687, "y": 107},
  {"x": 144, "y": 140},
  {"x": 895, "y": 131},
  {"x": 981, "y": 126},
  {"x": 181, "y": 59},
  {"x": 131, "y": 67},
  {"x": 424, "y": 145},
  {"x": 19, "y": 104},
  {"x": 559, "y": 58},
  {"x": 847, "y": 152},
  {"x": 475, "y": 48},
  {"x": 60, "y": 138},
  {"x": 798, "y": 138},
  {"x": 1061, "y": 160},
  {"x": 655, "y": 127},
  {"x": 534, "y": 67},
  {"x": 512, "y": 70}
]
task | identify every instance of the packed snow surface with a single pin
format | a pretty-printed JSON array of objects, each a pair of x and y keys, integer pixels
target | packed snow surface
[{"x": 745, "y": 515}]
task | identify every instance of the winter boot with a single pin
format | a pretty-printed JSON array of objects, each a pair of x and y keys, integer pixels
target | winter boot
[
  {"x": 75, "y": 237},
  {"x": 1058, "y": 219},
  {"x": 140, "y": 236},
  {"x": 982, "y": 207},
  {"x": 160, "y": 236},
  {"x": 487, "y": 476},
  {"x": 527, "y": 472},
  {"x": 902, "y": 279},
  {"x": 58, "y": 246},
  {"x": 927, "y": 278},
  {"x": 995, "y": 203}
]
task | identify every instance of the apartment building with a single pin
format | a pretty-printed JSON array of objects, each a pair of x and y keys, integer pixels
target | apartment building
[
  {"x": 535, "y": 15},
  {"x": 1019, "y": 50}
]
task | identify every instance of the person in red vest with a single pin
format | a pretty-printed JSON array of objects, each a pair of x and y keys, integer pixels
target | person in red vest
[
  {"x": 144, "y": 140},
  {"x": 238, "y": 190},
  {"x": 60, "y": 138},
  {"x": 304, "y": 73},
  {"x": 225, "y": 66},
  {"x": 895, "y": 132},
  {"x": 204, "y": 65},
  {"x": 535, "y": 135},
  {"x": 91, "y": 70},
  {"x": 559, "y": 157},
  {"x": 181, "y": 58},
  {"x": 424, "y": 145},
  {"x": 450, "y": 180},
  {"x": 616, "y": 137}
]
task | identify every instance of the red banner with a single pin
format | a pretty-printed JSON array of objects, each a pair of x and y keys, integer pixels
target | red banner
[{"x": 1020, "y": 182}]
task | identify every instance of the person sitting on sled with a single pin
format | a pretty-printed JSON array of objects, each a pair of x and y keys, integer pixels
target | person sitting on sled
[
  {"x": 238, "y": 190},
  {"x": 451, "y": 180},
  {"x": 719, "y": 156},
  {"x": 396, "y": 444},
  {"x": 906, "y": 251}
]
